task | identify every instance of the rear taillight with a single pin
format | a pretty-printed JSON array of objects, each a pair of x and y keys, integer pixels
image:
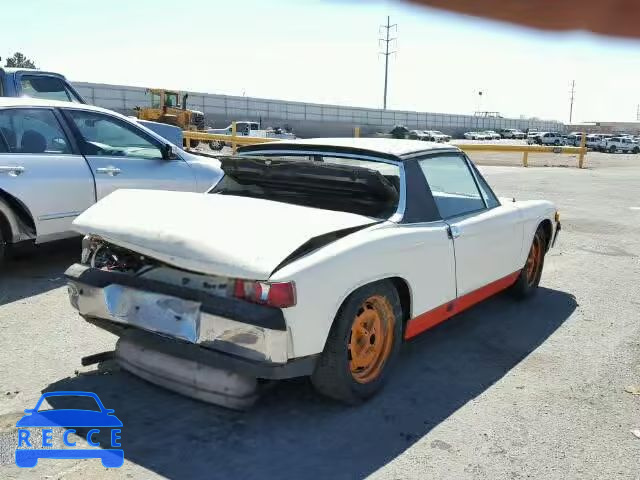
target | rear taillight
[{"x": 280, "y": 295}]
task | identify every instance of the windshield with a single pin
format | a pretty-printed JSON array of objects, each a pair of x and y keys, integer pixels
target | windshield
[{"x": 322, "y": 181}]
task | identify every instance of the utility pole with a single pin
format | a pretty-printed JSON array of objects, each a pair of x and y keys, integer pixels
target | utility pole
[
  {"x": 387, "y": 40},
  {"x": 573, "y": 91}
]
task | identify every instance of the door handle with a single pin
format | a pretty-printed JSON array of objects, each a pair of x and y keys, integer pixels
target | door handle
[
  {"x": 13, "y": 171},
  {"x": 454, "y": 232},
  {"x": 113, "y": 171}
]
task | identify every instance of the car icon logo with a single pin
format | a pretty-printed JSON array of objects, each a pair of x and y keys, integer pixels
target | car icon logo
[{"x": 96, "y": 420}]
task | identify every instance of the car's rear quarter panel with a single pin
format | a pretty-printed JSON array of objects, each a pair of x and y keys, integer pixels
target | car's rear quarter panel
[
  {"x": 420, "y": 255},
  {"x": 534, "y": 212}
]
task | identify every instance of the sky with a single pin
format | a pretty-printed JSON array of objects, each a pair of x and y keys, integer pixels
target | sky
[{"x": 326, "y": 51}]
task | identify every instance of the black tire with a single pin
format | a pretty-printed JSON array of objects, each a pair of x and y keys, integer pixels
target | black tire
[
  {"x": 194, "y": 143},
  {"x": 527, "y": 283},
  {"x": 3, "y": 245},
  {"x": 215, "y": 145},
  {"x": 333, "y": 375},
  {"x": 612, "y": 149}
]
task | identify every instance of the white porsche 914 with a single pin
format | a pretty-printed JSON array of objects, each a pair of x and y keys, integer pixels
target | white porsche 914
[{"x": 314, "y": 257}]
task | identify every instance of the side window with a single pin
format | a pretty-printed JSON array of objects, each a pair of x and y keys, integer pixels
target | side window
[
  {"x": 452, "y": 185},
  {"x": 34, "y": 130},
  {"x": 47, "y": 87},
  {"x": 106, "y": 136}
]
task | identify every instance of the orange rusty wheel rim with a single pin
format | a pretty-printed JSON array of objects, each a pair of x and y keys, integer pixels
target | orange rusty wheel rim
[
  {"x": 371, "y": 339},
  {"x": 534, "y": 260}
]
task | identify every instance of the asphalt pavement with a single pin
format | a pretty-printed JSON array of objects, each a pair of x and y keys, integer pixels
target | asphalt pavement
[{"x": 506, "y": 390}]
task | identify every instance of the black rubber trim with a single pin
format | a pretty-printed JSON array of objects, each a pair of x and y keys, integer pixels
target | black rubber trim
[
  {"x": 298, "y": 367},
  {"x": 231, "y": 308},
  {"x": 420, "y": 205},
  {"x": 555, "y": 235}
]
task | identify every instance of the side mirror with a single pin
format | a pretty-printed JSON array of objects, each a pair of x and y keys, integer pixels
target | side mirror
[{"x": 168, "y": 153}]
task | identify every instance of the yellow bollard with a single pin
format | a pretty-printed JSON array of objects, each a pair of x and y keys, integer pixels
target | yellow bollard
[
  {"x": 525, "y": 158},
  {"x": 234, "y": 145},
  {"x": 356, "y": 132},
  {"x": 583, "y": 148}
]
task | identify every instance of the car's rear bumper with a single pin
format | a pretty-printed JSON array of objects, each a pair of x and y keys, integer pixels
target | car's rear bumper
[{"x": 238, "y": 335}]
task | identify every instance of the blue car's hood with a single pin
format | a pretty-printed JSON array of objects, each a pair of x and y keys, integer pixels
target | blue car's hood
[{"x": 69, "y": 418}]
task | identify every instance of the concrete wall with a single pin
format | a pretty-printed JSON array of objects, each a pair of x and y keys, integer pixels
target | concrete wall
[{"x": 306, "y": 119}]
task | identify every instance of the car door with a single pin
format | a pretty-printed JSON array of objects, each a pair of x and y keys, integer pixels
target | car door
[
  {"x": 487, "y": 236},
  {"x": 41, "y": 169},
  {"x": 122, "y": 155}
]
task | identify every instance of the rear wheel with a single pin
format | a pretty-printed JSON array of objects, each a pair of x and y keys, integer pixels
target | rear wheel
[
  {"x": 527, "y": 283},
  {"x": 362, "y": 346},
  {"x": 612, "y": 149},
  {"x": 636, "y": 149}
]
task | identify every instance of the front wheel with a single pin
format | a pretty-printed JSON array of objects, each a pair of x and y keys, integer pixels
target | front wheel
[
  {"x": 362, "y": 345},
  {"x": 612, "y": 149},
  {"x": 527, "y": 283},
  {"x": 3, "y": 245},
  {"x": 636, "y": 150}
]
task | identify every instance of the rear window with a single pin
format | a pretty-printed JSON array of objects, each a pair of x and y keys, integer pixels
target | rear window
[
  {"x": 46, "y": 87},
  {"x": 359, "y": 186}
]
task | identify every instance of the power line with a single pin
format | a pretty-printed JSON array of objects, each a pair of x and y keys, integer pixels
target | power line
[
  {"x": 387, "y": 40},
  {"x": 573, "y": 91}
]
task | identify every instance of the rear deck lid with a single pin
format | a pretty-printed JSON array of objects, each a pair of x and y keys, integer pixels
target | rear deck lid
[{"x": 214, "y": 234}]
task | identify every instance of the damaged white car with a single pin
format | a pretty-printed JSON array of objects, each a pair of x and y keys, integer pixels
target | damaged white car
[{"x": 311, "y": 257}]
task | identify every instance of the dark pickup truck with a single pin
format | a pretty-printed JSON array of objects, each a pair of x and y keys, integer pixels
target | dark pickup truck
[{"x": 25, "y": 82}]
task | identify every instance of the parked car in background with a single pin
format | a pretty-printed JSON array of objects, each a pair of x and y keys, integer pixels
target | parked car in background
[
  {"x": 602, "y": 144},
  {"x": 364, "y": 243},
  {"x": 436, "y": 136},
  {"x": 59, "y": 158},
  {"x": 574, "y": 139},
  {"x": 546, "y": 138},
  {"x": 593, "y": 141},
  {"x": 512, "y": 133},
  {"x": 417, "y": 135},
  {"x": 476, "y": 136},
  {"x": 532, "y": 132},
  {"x": 621, "y": 144},
  {"x": 492, "y": 135}
]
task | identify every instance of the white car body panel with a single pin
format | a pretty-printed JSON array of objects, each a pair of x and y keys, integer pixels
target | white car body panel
[
  {"x": 488, "y": 247},
  {"x": 236, "y": 237},
  {"x": 420, "y": 254},
  {"x": 54, "y": 188}
]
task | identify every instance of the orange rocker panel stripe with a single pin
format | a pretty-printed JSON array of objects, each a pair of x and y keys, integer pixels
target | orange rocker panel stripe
[{"x": 439, "y": 314}]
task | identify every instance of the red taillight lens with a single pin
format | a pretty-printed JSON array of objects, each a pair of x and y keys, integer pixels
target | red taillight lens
[{"x": 280, "y": 295}]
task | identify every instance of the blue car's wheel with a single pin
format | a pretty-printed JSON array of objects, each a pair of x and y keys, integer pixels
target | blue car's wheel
[
  {"x": 26, "y": 459},
  {"x": 113, "y": 459}
]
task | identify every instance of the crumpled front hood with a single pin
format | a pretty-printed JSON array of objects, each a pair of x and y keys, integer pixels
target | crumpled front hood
[{"x": 210, "y": 233}]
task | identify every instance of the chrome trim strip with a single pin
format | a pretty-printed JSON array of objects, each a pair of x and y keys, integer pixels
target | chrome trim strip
[
  {"x": 55, "y": 216},
  {"x": 298, "y": 153}
]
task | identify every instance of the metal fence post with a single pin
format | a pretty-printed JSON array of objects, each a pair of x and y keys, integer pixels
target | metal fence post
[
  {"x": 234, "y": 145},
  {"x": 356, "y": 132},
  {"x": 583, "y": 143},
  {"x": 525, "y": 158}
]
